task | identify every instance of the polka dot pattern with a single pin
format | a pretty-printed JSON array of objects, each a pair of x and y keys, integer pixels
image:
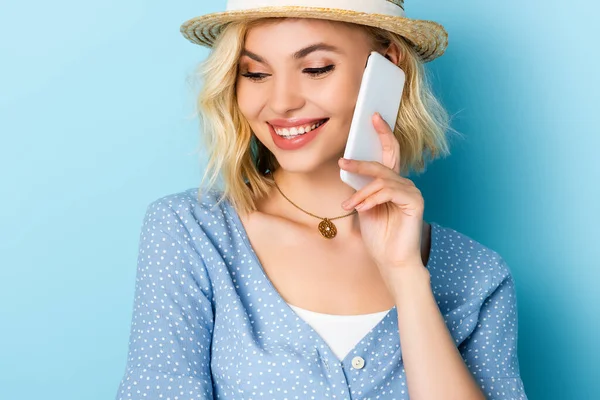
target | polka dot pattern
[{"x": 209, "y": 324}]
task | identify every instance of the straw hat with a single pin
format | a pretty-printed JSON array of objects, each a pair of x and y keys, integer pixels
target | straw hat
[{"x": 429, "y": 38}]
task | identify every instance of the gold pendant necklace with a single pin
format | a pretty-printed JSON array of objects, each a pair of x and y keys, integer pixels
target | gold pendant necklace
[{"x": 326, "y": 227}]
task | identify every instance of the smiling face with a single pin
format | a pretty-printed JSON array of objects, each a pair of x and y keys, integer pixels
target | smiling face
[{"x": 294, "y": 74}]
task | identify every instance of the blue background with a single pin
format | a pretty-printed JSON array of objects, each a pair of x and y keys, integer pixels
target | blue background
[{"x": 96, "y": 104}]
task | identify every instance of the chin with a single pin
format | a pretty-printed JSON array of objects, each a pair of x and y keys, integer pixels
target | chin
[{"x": 303, "y": 164}]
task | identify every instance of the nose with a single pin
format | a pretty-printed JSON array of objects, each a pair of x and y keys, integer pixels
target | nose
[{"x": 286, "y": 94}]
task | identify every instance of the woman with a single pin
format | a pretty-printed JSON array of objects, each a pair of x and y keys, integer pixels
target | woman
[{"x": 243, "y": 292}]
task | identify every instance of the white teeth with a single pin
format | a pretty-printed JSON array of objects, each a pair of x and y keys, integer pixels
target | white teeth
[{"x": 295, "y": 131}]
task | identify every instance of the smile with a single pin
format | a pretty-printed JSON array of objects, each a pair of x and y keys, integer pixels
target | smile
[{"x": 295, "y": 131}]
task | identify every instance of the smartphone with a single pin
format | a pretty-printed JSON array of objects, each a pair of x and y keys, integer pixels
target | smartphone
[{"x": 380, "y": 91}]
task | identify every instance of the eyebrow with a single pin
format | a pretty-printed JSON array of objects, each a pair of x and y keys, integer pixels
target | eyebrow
[{"x": 299, "y": 54}]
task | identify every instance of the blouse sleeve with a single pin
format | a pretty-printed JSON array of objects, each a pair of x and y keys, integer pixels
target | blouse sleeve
[
  {"x": 490, "y": 352},
  {"x": 172, "y": 322}
]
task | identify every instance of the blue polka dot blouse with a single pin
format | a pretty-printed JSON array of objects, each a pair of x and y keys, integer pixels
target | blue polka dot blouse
[{"x": 208, "y": 323}]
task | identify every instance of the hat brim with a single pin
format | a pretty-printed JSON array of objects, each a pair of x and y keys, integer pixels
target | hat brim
[{"x": 428, "y": 38}]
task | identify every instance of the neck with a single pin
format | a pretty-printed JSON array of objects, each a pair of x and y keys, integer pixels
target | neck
[{"x": 319, "y": 192}]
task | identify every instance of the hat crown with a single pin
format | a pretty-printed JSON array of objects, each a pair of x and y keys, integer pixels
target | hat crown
[
  {"x": 393, "y": 8},
  {"x": 428, "y": 38}
]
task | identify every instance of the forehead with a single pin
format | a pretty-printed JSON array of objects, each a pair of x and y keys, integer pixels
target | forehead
[{"x": 298, "y": 31}]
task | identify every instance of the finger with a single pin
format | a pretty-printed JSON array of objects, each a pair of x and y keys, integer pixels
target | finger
[
  {"x": 408, "y": 200},
  {"x": 389, "y": 144},
  {"x": 374, "y": 186},
  {"x": 369, "y": 168}
]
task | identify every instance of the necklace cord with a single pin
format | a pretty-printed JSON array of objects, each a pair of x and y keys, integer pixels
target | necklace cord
[{"x": 295, "y": 205}]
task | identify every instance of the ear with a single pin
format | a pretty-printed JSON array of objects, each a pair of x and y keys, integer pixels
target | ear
[{"x": 394, "y": 54}]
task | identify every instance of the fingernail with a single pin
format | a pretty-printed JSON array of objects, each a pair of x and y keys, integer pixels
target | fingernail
[{"x": 344, "y": 160}]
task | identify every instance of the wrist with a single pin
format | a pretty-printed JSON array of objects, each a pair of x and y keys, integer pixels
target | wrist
[{"x": 404, "y": 283}]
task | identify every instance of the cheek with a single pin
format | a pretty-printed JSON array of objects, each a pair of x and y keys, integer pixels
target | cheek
[
  {"x": 247, "y": 103},
  {"x": 339, "y": 98}
]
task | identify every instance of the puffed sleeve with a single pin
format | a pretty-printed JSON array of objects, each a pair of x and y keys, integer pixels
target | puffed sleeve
[
  {"x": 172, "y": 322},
  {"x": 490, "y": 352}
]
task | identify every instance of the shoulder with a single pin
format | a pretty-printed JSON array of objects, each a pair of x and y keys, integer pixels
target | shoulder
[
  {"x": 188, "y": 208},
  {"x": 463, "y": 265},
  {"x": 204, "y": 218}
]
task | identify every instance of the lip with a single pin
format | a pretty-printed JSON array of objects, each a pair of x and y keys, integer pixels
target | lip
[
  {"x": 288, "y": 123},
  {"x": 295, "y": 143}
]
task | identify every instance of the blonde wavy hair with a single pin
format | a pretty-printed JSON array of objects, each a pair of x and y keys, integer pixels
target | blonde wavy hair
[{"x": 242, "y": 160}]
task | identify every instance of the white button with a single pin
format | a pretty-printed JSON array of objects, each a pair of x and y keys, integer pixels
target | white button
[{"x": 358, "y": 362}]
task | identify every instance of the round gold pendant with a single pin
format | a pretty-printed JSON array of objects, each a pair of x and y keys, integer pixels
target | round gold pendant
[{"x": 327, "y": 229}]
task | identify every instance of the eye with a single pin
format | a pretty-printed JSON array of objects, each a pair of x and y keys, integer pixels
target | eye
[
  {"x": 319, "y": 71},
  {"x": 257, "y": 77}
]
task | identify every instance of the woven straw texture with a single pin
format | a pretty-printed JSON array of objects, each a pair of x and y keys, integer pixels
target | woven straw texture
[{"x": 429, "y": 38}]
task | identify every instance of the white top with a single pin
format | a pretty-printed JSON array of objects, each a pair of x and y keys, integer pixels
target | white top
[{"x": 340, "y": 332}]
